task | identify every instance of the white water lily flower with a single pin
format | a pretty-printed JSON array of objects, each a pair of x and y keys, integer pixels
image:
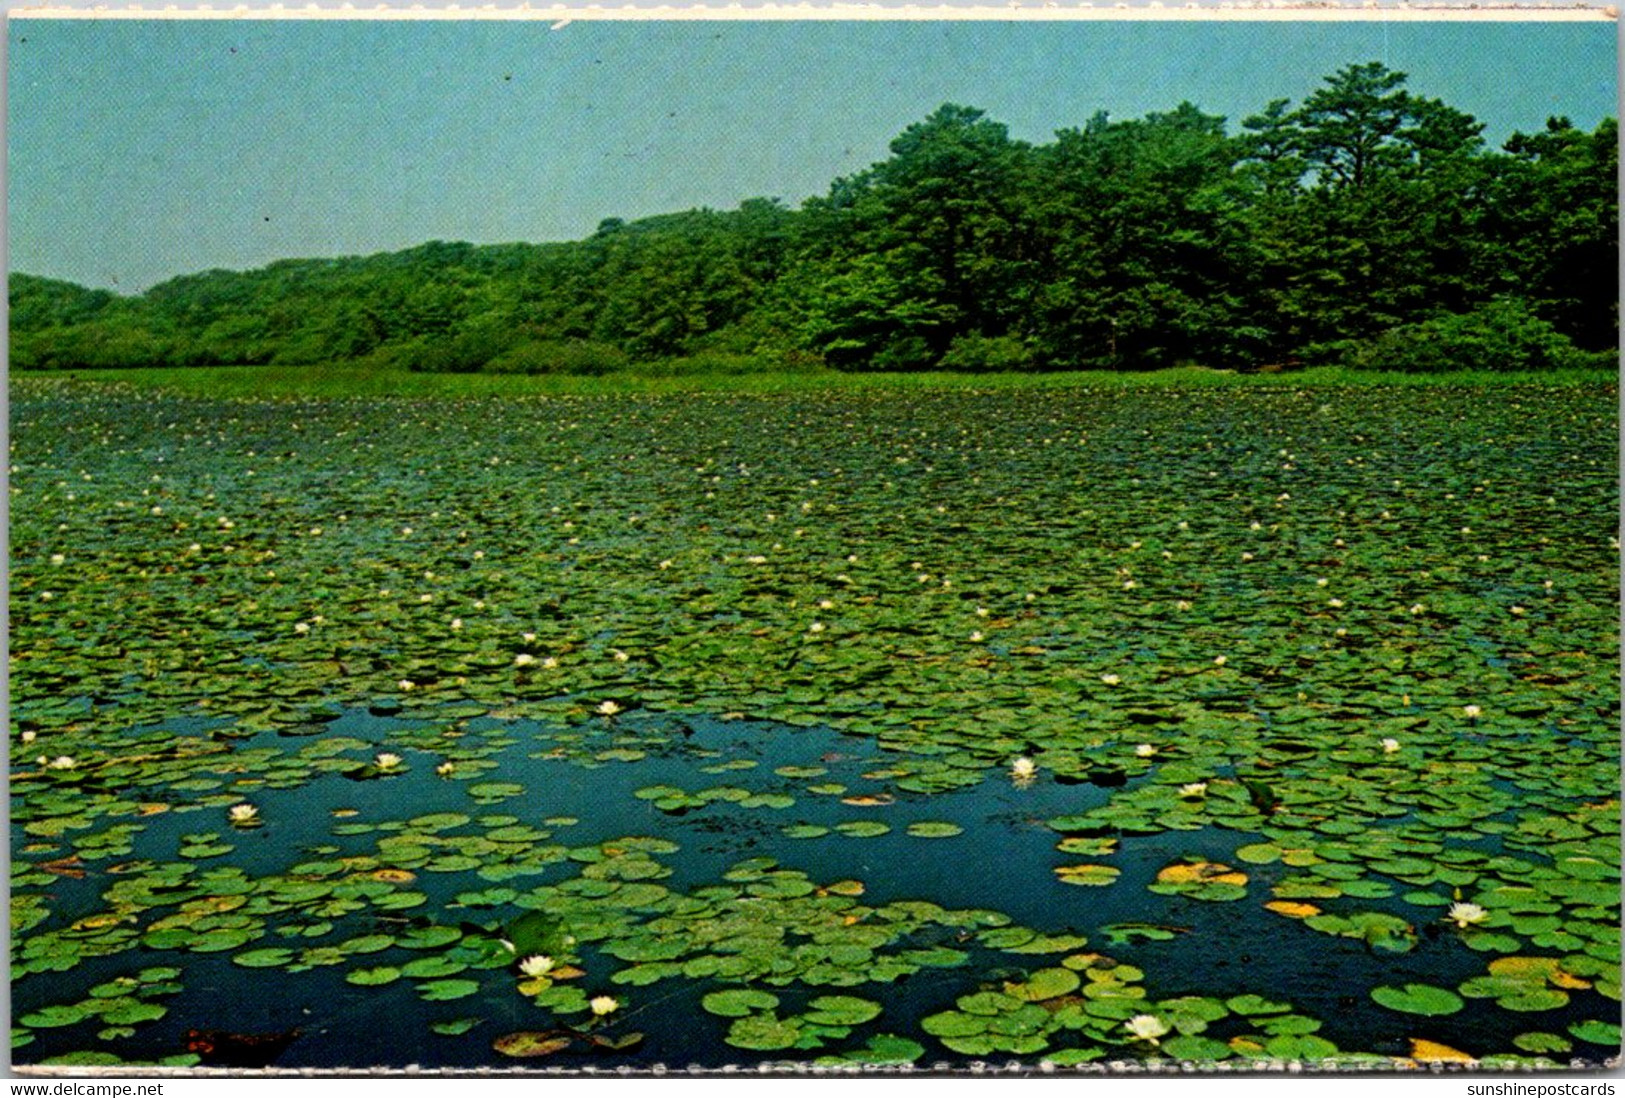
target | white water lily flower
[
  {"x": 446, "y": 769},
  {"x": 29, "y": 735},
  {"x": 1110, "y": 679},
  {"x": 1465, "y": 915},
  {"x": 1220, "y": 661},
  {"x": 1023, "y": 768},
  {"x": 301, "y": 627},
  {"x": 1145, "y": 750},
  {"x": 976, "y": 637},
  {"x": 386, "y": 760},
  {"x": 619, "y": 656},
  {"x": 1193, "y": 789},
  {"x": 604, "y": 1004},
  {"x": 608, "y": 708},
  {"x": 524, "y": 659},
  {"x": 537, "y": 964},
  {"x": 1390, "y": 745},
  {"x": 243, "y": 813},
  {"x": 61, "y": 762},
  {"x": 1147, "y": 1027},
  {"x": 1472, "y": 711},
  {"x": 816, "y": 627},
  {"x": 406, "y": 684}
]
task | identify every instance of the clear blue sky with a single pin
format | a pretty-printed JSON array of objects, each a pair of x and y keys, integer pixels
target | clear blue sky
[{"x": 139, "y": 150}]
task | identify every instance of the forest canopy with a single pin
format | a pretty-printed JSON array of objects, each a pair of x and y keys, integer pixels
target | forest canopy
[{"x": 1365, "y": 226}]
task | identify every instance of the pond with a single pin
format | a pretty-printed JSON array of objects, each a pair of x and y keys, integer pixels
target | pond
[{"x": 840, "y": 729}]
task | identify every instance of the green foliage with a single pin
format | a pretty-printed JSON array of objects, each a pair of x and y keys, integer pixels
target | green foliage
[
  {"x": 1337, "y": 230},
  {"x": 1504, "y": 334},
  {"x": 976, "y": 354},
  {"x": 575, "y": 357}
]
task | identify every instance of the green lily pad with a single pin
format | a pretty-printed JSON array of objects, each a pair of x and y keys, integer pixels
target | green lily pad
[
  {"x": 436, "y": 991},
  {"x": 1418, "y": 999},
  {"x": 840, "y": 1010},
  {"x": 454, "y": 1027},
  {"x": 1253, "y": 1005},
  {"x": 1596, "y": 1033},
  {"x": 51, "y": 1017},
  {"x": 373, "y": 977},
  {"x": 929, "y": 829},
  {"x": 1046, "y": 983},
  {"x": 738, "y": 1002},
  {"x": 862, "y": 829},
  {"x": 263, "y": 958},
  {"x": 762, "y": 1032},
  {"x": 1191, "y": 1047},
  {"x": 1542, "y": 1042}
]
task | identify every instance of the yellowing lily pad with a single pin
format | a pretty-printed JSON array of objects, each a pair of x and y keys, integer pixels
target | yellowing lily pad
[
  {"x": 530, "y": 1045},
  {"x": 1087, "y": 874},
  {"x": 1432, "y": 1052}
]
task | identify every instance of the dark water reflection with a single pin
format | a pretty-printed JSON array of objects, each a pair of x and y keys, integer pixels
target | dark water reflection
[{"x": 1004, "y": 861}]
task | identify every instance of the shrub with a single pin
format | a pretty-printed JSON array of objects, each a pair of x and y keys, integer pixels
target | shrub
[
  {"x": 466, "y": 352},
  {"x": 902, "y": 354},
  {"x": 979, "y": 354},
  {"x": 1504, "y": 334},
  {"x": 579, "y": 357}
]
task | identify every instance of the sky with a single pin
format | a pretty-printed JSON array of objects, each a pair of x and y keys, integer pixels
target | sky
[{"x": 139, "y": 150}]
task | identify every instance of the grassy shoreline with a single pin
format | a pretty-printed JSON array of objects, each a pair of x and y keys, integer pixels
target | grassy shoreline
[{"x": 350, "y": 381}]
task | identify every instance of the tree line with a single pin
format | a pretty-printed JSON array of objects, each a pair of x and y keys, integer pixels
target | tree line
[{"x": 1366, "y": 225}]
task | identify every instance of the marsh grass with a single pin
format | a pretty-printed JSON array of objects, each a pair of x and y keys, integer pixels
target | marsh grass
[{"x": 350, "y": 380}]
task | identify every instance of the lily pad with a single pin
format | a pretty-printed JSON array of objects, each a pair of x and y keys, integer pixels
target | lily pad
[
  {"x": 738, "y": 1002},
  {"x": 530, "y": 1044},
  {"x": 1418, "y": 999}
]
